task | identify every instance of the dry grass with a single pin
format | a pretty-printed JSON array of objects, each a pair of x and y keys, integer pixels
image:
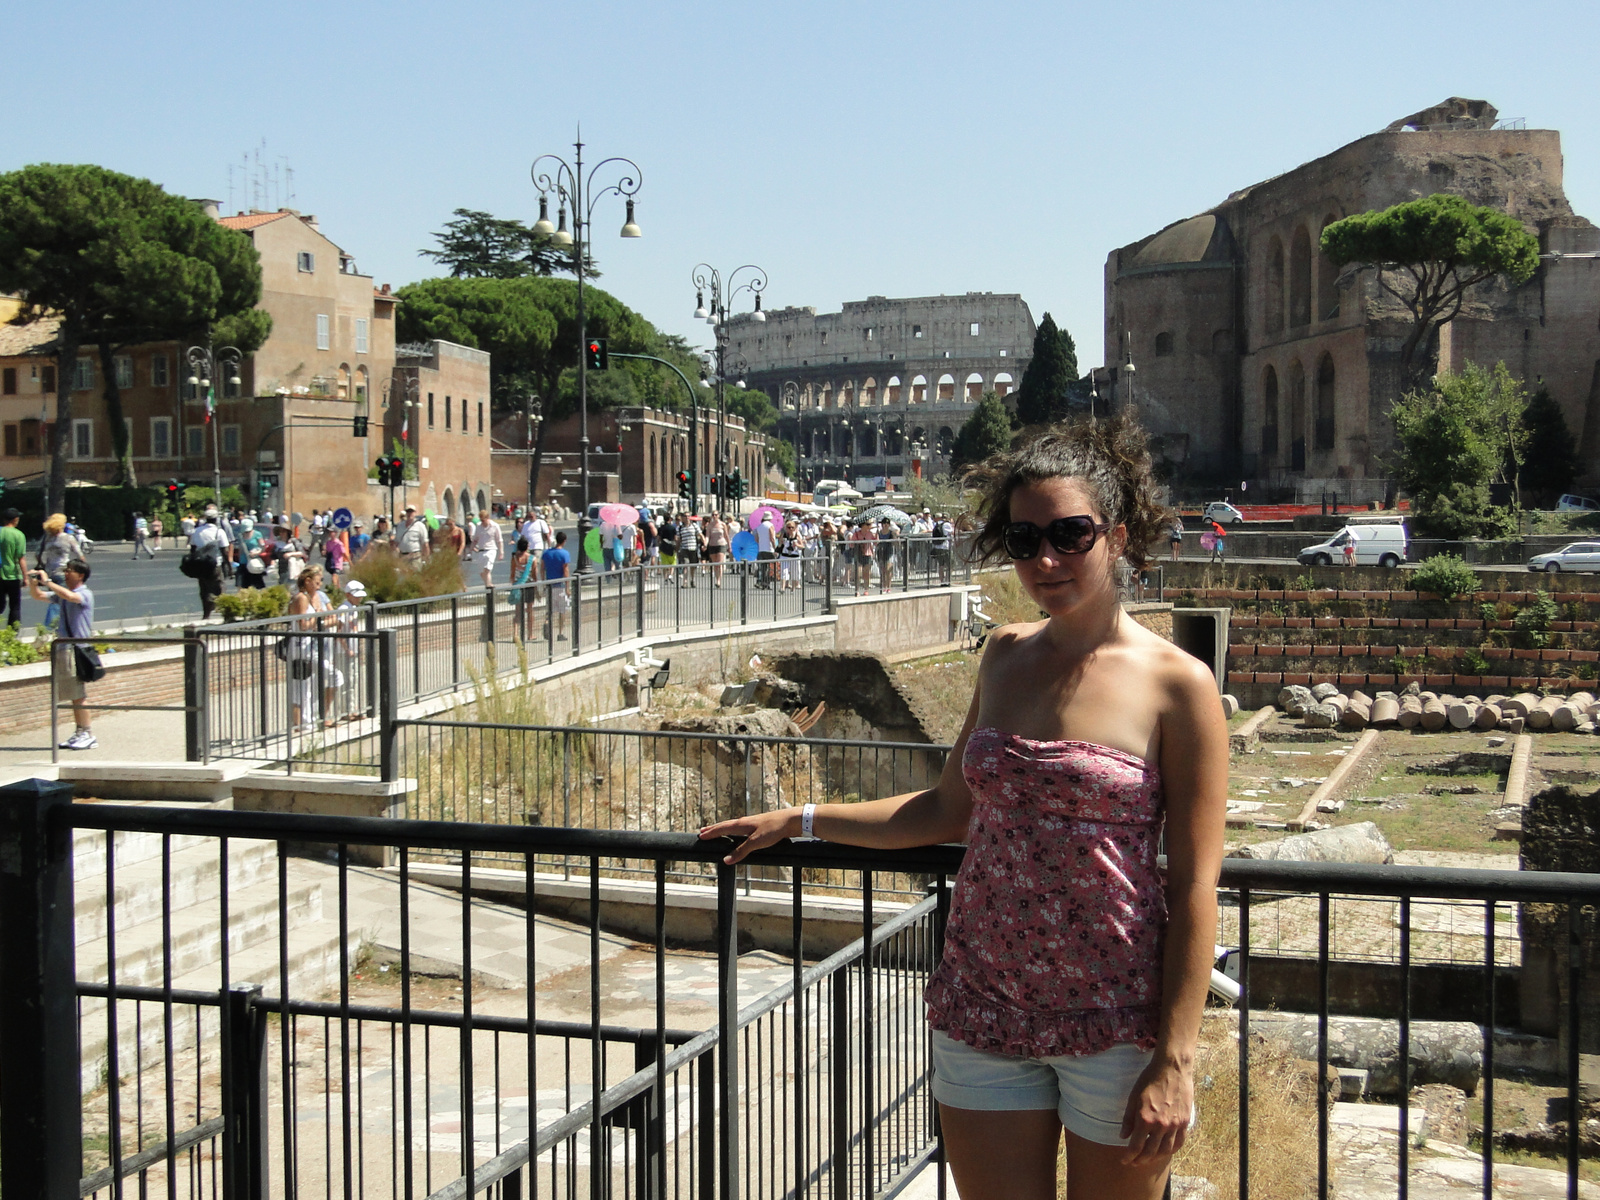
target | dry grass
[{"x": 1283, "y": 1107}]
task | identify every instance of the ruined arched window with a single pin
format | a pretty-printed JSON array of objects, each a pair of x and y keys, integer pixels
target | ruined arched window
[
  {"x": 1269, "y": 413},
  {"x": 869, "y": 391},
  {"x": 919, "y": 389},
  {"x": 1327, "y": 281},
  {"x": 1300, "y": 279},
  {"x": 893, "y": 390},
  {"x": 1274, "y": 300},
  {"x": 1003, "y": 383},
  {"x": 974, "y": 388},
  {"x": 1297, "y": 416},
  {"x": 1325, "y": 405},
  {"x": 1163, "y": 344},
  {"x": 947, "y": 387}
]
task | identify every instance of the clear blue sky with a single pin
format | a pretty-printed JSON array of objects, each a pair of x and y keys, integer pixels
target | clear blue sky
[{"x": 849, "y": 148}]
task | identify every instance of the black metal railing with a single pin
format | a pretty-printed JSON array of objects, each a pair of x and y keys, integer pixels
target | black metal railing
[
  {"x": 298, "y": 688},
  {"x": 325, "y": 1081}
]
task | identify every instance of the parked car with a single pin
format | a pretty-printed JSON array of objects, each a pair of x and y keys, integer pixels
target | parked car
[
  {"x": 1571, "y": 503},
  {"x": 1375, "y": 545},
  {"x": 1576, "y": 556},
  {"x": 1223, "y": 513}
]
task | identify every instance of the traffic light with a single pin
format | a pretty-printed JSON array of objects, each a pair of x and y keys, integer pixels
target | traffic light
[
  {"x": 383, "y": 471},
  {"x": 711, "y": 485},
  {"x": 397, "y": 470},
  {"x": 358, "y": 426},
  {"x": 174, "y": 491},
  {"x": 736, "y": 486},
  {"x": 685, "y": 485},
  {"x": 2, "y": 485},
  {"x": 597, "y": 359},
  {"x": 263, "y": 488}
]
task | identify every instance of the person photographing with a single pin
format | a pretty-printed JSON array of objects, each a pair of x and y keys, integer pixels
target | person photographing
[{"x": 73, "y": 661}]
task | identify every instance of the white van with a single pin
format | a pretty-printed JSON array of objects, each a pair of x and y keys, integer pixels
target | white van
[{"x": 1376, "y": 546}]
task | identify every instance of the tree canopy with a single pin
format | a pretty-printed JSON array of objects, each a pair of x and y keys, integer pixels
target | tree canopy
[
  {"x": 1454, "y": 440},
  {"x": 1428, "y": 254},
  {"x": 987, "y": 431},
  {"x": 1045, "y": 393},
  {"x": 480, "y": 245},
  {"x": 119, "y": 261},
  {"x": 1550, "y": 462}
]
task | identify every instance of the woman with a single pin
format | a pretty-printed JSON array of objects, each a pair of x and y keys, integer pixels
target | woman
[
  {"x": 715, "y": 531},
  {"x": 521, "y": 567},
  {"x": 56, "y": 549},
  {"x": 861, "y": 543},
  {"x": 790, "y": 546},
  {"x": 888, "y": 535},
  {"x": 311, "y": 659},
  {"x": 1073, "y": 979}
]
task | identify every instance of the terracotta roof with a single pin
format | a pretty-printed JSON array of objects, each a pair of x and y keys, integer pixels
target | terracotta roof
[
  {"x": 252, "y": 220},
  {"x": 36, "y": 338}
]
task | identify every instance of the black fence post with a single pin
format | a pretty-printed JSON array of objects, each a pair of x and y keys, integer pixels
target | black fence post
[
  {"x": 639, "y": 587},
  {"x": 388, "y": 708},
  {"x": 744, "y": 593},
  {"x": 728, "y": 1023},
  {"x": 41, "y": 1114},
  {"x": 245, "y": 1099},
  {"x": 827, "y": 576},
  {"x": 194, "y": 696},
  {"x": 488, "y": 616},
  {"x": 455, "y": 643}
]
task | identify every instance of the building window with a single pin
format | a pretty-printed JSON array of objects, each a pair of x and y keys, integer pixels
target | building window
[
  {"x": 196, "y": 437},
  {"x": 83, "y": 376},
  {"x": 824, "y": 337},
  {"x": 1325, "y": 404},
  {"x": 158, "y": 370},
  {"x": 868, "y": 332},
  {"x": 11, "y": 450},
  {"x": 1300, "y": 278},
  {"x": 1269, "y": 413},
  {"x": 430, "y": 410},
  {"x": 322, "y": 331},
  {"x": 8, "y": 381},
  {"x": 480, "y": 418},
  {"x": 160, "y": 437},
  {"x": 306, "y": 261},
  {"x": 361, "y": 335},
  {"x": 83, "y": 439},
  {"x": 1003, "y": 353},
  {"x": 1163, "y": 344},
  {"x": 973, "y": 329},
  {"x": 230, "y": 440},
  {"x": 463, "y": 416},
  {"x": 124, "y": 368},
  {"x": 47, "y": 378},
  {"x": 449, "y": 412},
  {"x": 1274, "y": 298},
  {"x": 916, "y": 331}
]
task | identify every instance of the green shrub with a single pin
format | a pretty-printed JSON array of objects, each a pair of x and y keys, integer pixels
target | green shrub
[
  {"x": 1475, "y": 663},
  {"x": 254, "y": 604},
  {"x": 14, "y": 652},
  {"x": 1447, "y": 576},
  {"x": 388, "y": 576},
  {"x": 1534, "y": 620}
]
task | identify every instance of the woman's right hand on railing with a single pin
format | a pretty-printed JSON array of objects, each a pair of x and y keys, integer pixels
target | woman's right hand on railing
[{"x": 759, "y": 830}]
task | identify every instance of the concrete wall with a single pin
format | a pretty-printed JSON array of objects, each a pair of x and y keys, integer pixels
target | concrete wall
[{"x": 890, "y": 624}]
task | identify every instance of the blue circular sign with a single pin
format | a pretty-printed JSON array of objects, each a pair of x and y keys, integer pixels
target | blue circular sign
[{"x": 342, "y": 518}]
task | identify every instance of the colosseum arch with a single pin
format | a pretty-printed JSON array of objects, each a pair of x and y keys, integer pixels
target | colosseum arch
[
  {"x": 892, "y": 390},
  {"x": 947, "y": 388},
  {"x": 1269, "y": 413},
  {"x": 847, "y": 394},
  {"x": 1300, "y": 278},
  {"x": 919, "y": 390},
  {"x": 869, "y": 391},
  {"x": 1297, "y": 416},
  {"x": 974, "y": 389},
  {"x": 1325, "y": 405},
  {"x": 947, "y": 440},
  {"x": 1274, "y": 289},
  {"x": 1003, "y": 384},
  {"x": 1327, "y": 280}
]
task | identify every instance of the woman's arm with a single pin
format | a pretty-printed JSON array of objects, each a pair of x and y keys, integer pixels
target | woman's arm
[
  {"x": 940, "y": 814},
  {"x": 1194, "y": 769}
]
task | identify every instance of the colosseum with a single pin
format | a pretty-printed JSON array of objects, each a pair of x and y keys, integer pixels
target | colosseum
[
  {"x": 1255, "y": 358},
  {"x": 880, "y": 388}
]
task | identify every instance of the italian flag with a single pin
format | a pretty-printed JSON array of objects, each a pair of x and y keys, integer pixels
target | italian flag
[{"x": 211, "y": 403}]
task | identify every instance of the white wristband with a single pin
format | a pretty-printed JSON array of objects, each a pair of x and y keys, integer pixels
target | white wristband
[{"x": 808, "y": 817}]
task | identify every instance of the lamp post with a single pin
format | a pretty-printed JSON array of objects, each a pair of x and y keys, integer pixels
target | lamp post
[
  {"x": 575, "y": 188},
  {"x": 723, "y": 291},
  {"x": 203, "y": 361}
]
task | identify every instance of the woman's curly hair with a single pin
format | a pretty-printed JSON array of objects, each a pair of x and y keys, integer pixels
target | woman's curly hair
[{"x": 1111, "y": 457}]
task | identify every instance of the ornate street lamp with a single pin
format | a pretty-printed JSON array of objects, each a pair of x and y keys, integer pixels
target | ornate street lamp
[
  {"x": 723, "y": 291},
  {"x": 575, "y": 189},
  {"x": 203, "y": 365}
]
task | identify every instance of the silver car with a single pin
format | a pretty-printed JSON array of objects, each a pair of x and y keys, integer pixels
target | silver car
[{"x": 1578, "y": 556}]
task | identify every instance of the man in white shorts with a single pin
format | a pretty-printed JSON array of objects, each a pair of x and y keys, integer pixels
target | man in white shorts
[{"x": 488, "y": 544}]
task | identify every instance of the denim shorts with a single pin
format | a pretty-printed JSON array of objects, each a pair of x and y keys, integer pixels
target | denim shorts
[{"x": 1089, "y": 1092}]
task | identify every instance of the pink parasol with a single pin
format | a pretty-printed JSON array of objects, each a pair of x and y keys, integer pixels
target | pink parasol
[
  {"x": 763, "y": 510},
  {"x": 619, "y": 514}
]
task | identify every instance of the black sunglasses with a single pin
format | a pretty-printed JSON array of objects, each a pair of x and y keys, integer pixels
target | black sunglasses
[{"x": 1069, "y": 535}]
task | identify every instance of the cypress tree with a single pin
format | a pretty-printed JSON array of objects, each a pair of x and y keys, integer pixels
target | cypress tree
[
  {"x": 1044, "y": 394},
  {"x": 987, "y": 431}
]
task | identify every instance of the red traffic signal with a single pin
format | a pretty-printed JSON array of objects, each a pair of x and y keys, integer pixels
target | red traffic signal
[{"x": 595, "y": 356}]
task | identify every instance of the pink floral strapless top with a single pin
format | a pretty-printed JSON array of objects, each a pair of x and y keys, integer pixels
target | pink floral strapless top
[{"x": 1058, "y": 916}]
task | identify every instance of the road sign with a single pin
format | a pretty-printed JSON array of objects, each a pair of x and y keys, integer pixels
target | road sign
[{"x": 342, "y": 518}]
